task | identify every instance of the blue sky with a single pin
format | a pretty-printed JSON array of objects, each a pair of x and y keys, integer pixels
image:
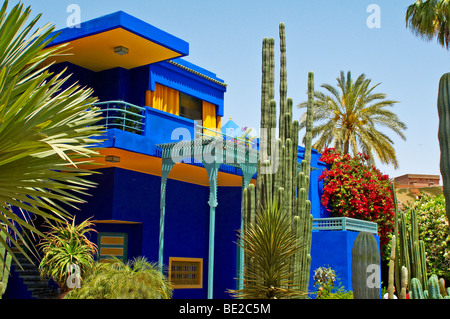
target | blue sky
[{"x": 323, "y": 36}]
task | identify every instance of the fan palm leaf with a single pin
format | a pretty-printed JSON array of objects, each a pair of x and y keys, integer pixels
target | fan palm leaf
[
  {"x": 349, "y": 117},
  {"x": 430, "y": 19},
  {"x": 47, "y": 128}
]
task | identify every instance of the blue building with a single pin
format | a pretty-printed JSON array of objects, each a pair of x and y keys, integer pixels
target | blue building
[{"x": 186, "y": 215}]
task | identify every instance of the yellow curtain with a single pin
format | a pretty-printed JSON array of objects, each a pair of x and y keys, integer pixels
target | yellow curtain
[
  {"x": 209, "y": 118},
  {"x": 163, "y": 99}
]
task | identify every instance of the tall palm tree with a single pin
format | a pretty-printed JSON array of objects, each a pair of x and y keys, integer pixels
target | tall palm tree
[
  {"x": 47, "y": 128},
  {"x": 430, "y": 18},
  {"x": 347, "y": 119}
]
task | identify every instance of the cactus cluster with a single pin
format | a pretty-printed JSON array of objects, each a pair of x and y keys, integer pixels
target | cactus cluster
[
  {"x": 436, "y": 289},
  {"x": 410, "y": 249},
  {"x": 287, "y": 183},
  {"x": 404, "y": 273},
  {"x": 365, "y": 255}
]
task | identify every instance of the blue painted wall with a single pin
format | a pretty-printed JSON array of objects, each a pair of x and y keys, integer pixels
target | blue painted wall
[{"x": 334, "y": 249}]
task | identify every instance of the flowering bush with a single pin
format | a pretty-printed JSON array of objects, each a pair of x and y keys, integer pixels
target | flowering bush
[
  {"x": 433, "y": 229},
  {"x": 356, "y": 190}
]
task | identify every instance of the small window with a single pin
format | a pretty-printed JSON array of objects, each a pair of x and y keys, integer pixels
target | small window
[
  {"x": 112, "y": 245},
  {"x": 191, "y": 108},
  {"x": 186, "y": 273}
]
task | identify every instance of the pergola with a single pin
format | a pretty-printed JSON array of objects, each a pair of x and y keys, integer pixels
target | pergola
[{"x": 211, "y": 152}]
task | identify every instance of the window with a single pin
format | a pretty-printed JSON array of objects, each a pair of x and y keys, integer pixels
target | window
[
  {"x": 112, "y": 245},
  {"x": 191, "y": 108},
  {"x": 186, "y": 273}
]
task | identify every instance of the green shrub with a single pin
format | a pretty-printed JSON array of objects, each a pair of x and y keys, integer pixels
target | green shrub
[
  {"x": 326, "y": 279},
  {"x": 433, "y": 229},
  {"x": 136, "y": 279}
]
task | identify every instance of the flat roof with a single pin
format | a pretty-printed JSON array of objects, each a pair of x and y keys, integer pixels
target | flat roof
[{"x": 92, "y": 43}]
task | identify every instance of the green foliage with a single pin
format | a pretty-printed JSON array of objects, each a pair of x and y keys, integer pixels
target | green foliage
[
  {"x": 137, "y": 279},
  {"x": 349, "y": 118},
  {"x": 429, "y": 19},
  {"x": 433, "y": 230},
  {"x": 67, "y": 244},
  {"x": 5, "y": 265},
  {"x": 269, "y": 244},
  {"x": 326, "y": 279},
  {"x": 47, "y": 129}
]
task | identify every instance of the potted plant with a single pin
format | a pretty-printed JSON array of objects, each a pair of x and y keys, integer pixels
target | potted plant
[{"x": 68, "y": 254}]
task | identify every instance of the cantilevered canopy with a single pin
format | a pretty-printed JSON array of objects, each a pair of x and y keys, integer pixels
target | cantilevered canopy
[{"x": 93, "y": 43}]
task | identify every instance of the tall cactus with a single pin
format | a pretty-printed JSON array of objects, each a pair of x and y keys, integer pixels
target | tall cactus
[
  {"x": 443, "y": 106},
  {"x": 365, "y": 253},
  {"x": 410, "y": 248},
  {"x": 288, "y": 184}
]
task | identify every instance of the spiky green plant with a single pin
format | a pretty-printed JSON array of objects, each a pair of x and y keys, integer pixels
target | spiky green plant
[
  {"x": 279, "y": 175},
  {"x": 5, "y": 266},
  {"x": 269, "y": 244},
  {"x": 67, "y": 244},
  {"x": 136, "y": 279},
  {"x": 47, "y": 129}
]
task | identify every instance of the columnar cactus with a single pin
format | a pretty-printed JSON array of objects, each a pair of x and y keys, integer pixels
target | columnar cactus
[
  {"x": 443, "y": 106},
  {"x": 433, "y": 291},
  {"x": 410, "y": 248},
  {"x": 286, "y": 182},
  {"x": 365, "y": 256}
]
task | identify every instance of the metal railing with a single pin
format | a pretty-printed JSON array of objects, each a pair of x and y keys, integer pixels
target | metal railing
[
  {"x": 344, "y": 223},
  {"x": 122, "y": 115}
]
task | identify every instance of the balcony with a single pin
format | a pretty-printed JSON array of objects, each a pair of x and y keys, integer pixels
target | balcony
[{"x": 156, "y": 126}]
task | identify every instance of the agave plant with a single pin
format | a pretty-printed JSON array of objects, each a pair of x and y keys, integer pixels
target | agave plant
[
  {"x": 270, "y": 244},
  {"x": 64, "y": 246},
  {"x": 136, "y": 279},
  {"x": 47, "y": 129}
]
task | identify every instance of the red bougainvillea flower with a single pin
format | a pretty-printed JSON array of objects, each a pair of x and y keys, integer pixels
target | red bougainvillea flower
[{"x": 356, "y": 190}]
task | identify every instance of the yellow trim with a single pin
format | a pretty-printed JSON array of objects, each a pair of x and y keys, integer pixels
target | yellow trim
[
  {"x": 163, "y": 99},
  {"x": 96, "y": 52},
  {"x": 112, "y": 240},
  {"x": 109, "y": 251},
  {"x": 153, "y": 165}
]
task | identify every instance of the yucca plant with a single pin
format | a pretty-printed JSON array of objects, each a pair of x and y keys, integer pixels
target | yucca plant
[
  {"x": 47, "y": 129},
  {"x": 67, "y": 244},
  {"x": 136, "y": 279},
  {"x": 270, "y": 244}
]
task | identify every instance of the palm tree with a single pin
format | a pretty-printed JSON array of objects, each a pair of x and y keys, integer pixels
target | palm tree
[
  {"x": 428, "y": 19},
  {"x": 348, "y": 117},
  {"x": 47, "y": 129}
]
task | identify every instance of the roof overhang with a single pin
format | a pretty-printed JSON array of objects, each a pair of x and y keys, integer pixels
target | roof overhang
[{"x": 92, "y": 44}]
